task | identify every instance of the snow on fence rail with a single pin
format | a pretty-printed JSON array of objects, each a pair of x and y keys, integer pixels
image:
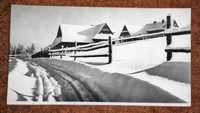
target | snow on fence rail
[
  {"x": 80, "y": 46},
  {"x": 171, "y": 32},
  {"x": 73, "y": 51}
]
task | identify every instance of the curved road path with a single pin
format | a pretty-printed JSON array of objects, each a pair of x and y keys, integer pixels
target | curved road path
[{"x": 83, "y": 83}]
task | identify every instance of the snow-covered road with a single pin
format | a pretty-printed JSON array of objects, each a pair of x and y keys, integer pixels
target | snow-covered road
[
  {"x": 179, "y": 89},
  {"x": 23, "y": 84}
]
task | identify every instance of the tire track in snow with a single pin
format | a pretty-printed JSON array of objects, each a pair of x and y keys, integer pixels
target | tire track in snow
[
  {"x": 83, "y": 92},
  {"x": 95, "y": 97}
]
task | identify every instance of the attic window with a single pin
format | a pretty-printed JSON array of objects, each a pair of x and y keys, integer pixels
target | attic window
[{"x": 106, "y": 30}]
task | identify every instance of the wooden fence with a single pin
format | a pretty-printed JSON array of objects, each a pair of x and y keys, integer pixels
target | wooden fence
[
  {"x": 73, "y": 51},
  {"x": 169, "y": 32}
]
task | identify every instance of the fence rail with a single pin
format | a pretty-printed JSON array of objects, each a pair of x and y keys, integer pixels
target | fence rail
[
  {"x": 73, "y": 51},
  {"x": 108, "y": 44}
]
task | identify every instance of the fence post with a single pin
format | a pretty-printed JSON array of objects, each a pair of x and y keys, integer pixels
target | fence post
[
  {"x": 169, "y": 55},
  {"x": 48, "y": 52},
  {"x": 110, "y": 50},
  {"x": 61, "y": 51},
  {"x": 169, "y": 37},
  {"x": 75, "y": 50}
]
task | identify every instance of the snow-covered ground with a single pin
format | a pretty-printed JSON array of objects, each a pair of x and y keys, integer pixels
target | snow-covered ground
[
  {"x": 145, "y": 54},
  {"x": 140, "y": 55},
  {"x": 24, "y": 88},
  {"x": 136, "y": 56},
  {"x": 127, "y": 58},
  {"x": 183, "y": 41},
  {"x": 18, "y": 82}
]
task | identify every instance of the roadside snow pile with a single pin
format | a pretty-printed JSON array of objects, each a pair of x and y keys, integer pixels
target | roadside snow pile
[
  {"x": 179, "y": 89},
  {"x": 19, "y": 83},
  {"x": 40, "y": 87},
  {"x": 47, "y": 88}
]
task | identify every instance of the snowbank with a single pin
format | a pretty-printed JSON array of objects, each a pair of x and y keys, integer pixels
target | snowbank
[
  {"x": 19, "y": 83},
  {"x": 25, "y": 88},
  {"x": 46, "y": 87},
  {"x": 136, "y": 56}
]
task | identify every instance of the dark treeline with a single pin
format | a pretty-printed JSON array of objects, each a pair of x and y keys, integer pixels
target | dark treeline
[{"x": 22, "y": 50}]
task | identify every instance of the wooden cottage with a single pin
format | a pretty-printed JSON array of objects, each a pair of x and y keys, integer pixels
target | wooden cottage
[
  {"x": 71, "y": 35},
  {"x": 156, "y": 27},
  {"x": 67, "y": 35}
]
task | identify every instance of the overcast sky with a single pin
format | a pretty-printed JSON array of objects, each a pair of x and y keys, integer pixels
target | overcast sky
[{"x": 39, "y": 24}]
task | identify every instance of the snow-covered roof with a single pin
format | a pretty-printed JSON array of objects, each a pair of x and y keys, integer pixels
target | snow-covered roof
[
  {"x": 155, "y": 26},
  {"x": 151, "y": 27},
  {"x": 93, "y": 30},
  {"x": 79, "y": 33},
  {"x": 70, "y": 33}
]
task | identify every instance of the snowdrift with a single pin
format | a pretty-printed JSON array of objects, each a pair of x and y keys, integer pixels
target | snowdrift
[{"x": 131, "y": 57}]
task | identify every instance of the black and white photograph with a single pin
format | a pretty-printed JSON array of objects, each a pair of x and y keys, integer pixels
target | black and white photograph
[{"x": 70, "y": 55}]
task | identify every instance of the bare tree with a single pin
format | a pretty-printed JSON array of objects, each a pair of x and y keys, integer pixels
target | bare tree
[
  {"x": 12, "y": 49},
  {"x": 32, "y": 49},
  {"x": 20, "y": 49}
]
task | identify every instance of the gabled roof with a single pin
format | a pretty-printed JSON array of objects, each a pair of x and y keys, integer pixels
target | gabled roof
[
  {"x": 80, "y": 33},
  {"x": 69, "y": 33},
  {"x": 151, "y": 27},
  {"x": 97, "y": 29},
  {"x": 125, "y": 32},
  {"x": 155, "y": 26}
]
